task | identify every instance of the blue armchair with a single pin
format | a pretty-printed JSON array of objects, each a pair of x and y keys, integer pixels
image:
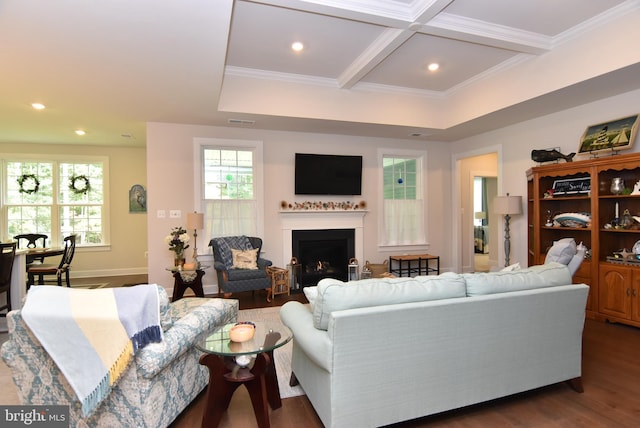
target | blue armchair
[{"x": 238, "y": 264}]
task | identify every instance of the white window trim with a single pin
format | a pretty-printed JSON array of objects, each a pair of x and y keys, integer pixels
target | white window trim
[
  {"x": 199, "y": 144},
  {"x": 30, "y": 157},
  {"x": 422, "y": 154}
]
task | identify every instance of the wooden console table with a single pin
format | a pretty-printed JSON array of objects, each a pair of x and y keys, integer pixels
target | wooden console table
[{"x": 420, "y": 264}]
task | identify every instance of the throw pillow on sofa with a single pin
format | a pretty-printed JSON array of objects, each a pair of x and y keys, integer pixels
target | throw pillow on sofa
[
  {"x": 547, "y": 275},
  {"x": 562, "y": 251},
  {"x": 335, "y": 295}
]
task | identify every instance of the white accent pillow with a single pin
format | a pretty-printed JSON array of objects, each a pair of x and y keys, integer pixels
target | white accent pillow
[
  {"x": 310, "y": 293},
  {"x": 562, "y": 251},
  {"x": 245, "y": 259}
]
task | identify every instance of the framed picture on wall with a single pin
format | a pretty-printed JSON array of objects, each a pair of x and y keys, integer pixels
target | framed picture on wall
[
  {"x": 613, "y": 135},
  {"x": 137, "y": 199}
]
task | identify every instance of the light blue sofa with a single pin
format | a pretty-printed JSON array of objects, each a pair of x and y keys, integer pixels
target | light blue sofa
[
  {"x": 162, "y": 380},
  {"x": 380, "y": 351}
]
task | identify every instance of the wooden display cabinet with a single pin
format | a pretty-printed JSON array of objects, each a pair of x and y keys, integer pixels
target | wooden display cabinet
[{"x": 614, "y": 283}]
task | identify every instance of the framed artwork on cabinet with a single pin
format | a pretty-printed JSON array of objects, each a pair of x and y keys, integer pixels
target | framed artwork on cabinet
[
  {"x": 617, "y": 134},
  {"x": 572, "y": 186}
]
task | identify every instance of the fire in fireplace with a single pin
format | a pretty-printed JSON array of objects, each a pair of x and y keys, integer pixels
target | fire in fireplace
[{"x": 323, "y": 253}]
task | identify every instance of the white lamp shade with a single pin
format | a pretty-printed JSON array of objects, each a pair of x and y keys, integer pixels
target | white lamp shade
[
  {"x": 195, "y": 220},
  {"x": 507, "y": 205}
]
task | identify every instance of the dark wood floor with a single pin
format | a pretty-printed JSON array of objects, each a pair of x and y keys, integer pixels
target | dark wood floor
[{"x": 611, "y": 377}]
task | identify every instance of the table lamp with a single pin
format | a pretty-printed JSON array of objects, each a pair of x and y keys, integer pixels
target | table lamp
[
  {"x": 195, "y": 221},
  {"x": 507, "y": 206}
]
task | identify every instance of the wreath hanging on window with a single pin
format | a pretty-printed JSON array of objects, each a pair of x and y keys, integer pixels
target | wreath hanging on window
[
  {"x": 29, "y": 184},
  {"x": 79, "y": 184}
]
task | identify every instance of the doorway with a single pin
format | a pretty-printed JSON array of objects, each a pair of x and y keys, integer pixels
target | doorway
[
  {"x": 483, "y": 169},
  {"x": 484, "y": 190}
]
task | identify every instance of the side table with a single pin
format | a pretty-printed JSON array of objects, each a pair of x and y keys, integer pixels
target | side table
[
  {"x": 414, "y": 264},
  {"x": 184, "y": 279},
  {"x": 249, "y": 363}
]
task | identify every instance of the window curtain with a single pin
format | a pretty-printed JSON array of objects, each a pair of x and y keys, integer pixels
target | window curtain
[
  {"x": 404, "y": 222},
  {"x": 230, "y": 218}
]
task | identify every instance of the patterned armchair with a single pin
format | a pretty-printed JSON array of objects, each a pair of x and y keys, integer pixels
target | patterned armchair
[
  {"x": 161, "y": 381},
  {"x": 238, "y": 264}
]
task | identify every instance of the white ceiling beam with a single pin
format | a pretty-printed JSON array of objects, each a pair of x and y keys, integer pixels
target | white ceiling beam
[
  {"x": 484, "y": 33},
  {"x": 375, "y": 53}
]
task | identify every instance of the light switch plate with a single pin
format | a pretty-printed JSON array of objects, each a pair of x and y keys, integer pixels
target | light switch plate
[
  {"x": 175, "y": 214},
  {"x": 161, "y": 214}
]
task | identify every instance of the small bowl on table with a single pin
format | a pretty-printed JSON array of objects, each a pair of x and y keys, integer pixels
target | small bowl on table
[{"x": 242, "y": 332}]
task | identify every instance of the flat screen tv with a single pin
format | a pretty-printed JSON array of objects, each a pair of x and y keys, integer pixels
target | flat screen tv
[{"x": 317, "y": 174}]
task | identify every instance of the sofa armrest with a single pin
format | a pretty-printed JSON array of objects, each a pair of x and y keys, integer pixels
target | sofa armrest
[
  {"x": 313, "y": 342},
  {"x": 185, "y": 333},
  {"x": 264, "y": 263},
  {"x": 219, "y": 266}
]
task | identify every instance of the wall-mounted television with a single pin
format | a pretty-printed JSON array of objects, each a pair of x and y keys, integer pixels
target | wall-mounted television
[{"x": 317, "y": 174}]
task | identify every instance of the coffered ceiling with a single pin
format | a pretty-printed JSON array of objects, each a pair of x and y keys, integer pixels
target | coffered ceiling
[{"x": 110, "y": 67}]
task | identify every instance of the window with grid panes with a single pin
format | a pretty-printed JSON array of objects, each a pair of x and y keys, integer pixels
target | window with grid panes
[{"x": 56, "y": 198}]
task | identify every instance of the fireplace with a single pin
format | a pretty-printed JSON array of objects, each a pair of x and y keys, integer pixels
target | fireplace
[{"x": 322, "y": 253}]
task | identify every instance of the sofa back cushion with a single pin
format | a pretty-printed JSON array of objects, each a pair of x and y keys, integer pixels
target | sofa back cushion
[
  {"x": 335, "y": 295},
  {"x": 547, "y": 275}
]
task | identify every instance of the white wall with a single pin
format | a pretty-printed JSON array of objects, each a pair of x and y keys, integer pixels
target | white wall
[
  {"x": 170, "y": 176},
  {"x": 563, "y": 130}
]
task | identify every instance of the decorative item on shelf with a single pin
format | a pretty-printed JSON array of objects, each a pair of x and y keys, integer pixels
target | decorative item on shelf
[
  {"x": 636, "y": 188},
  {"x": 613, "y": 135},
  {"x": 617, "y": 186},
  {"x": 548, "y": 194},
  {"x": 195, "y": 221},
  {"x": 549, "y": 222},
  {"x": 626, "y": 221},
  {"x": 178, "y": 241},
  {"x": 507, "y": 206},
  {"x": 578, "y": 220},
  {"x": 550, "y": 155},
  {"x": 322, "y": 206},
  {"x": 353, "y": 268}
]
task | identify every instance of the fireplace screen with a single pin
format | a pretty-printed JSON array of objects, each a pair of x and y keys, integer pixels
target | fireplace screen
[{"x": 323, "y": 253}]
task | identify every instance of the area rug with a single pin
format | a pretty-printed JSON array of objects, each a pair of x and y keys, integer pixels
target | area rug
[{"x": 281, "y": 355}]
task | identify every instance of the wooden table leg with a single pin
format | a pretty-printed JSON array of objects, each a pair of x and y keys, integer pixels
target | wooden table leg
[
  {"x": 223, "y": 383},
  {"x": 219, "y": 392}
]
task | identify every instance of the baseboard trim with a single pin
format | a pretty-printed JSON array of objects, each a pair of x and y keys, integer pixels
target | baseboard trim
[{"x": 108, "y": 272}]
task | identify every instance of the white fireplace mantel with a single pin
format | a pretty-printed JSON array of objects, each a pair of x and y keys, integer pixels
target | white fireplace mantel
[{"x": 322, "y": 219}]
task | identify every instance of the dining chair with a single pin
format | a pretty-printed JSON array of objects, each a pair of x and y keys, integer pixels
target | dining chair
[
  {"x": 34, "y": 240},
  {"x": 50, "y": 269},
  {"x": 7, "y": 254}
]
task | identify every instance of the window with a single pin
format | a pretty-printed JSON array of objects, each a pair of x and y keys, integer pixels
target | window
[
  {"x": 403, "y": 200},
  {"x": 231, "y": 187},
  {"x": 56, "y": 198}
]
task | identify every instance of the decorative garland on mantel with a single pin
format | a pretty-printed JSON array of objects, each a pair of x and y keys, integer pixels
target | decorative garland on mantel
[{"x": 323, "y": 206}]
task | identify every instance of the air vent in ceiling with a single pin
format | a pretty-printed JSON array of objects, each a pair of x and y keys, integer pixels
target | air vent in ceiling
[{"x": 241, "y": 122}]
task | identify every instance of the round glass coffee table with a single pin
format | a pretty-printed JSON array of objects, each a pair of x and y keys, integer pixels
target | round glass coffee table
[{"x": 249, "y": 363}]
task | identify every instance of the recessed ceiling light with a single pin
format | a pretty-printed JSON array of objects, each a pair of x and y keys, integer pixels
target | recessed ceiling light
[
  {"x": 38, "y": 106},
  {"x": 433, "y": 66},
  {"x": 297, "y": 46},
  {"x": 80, "y": 132}
]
